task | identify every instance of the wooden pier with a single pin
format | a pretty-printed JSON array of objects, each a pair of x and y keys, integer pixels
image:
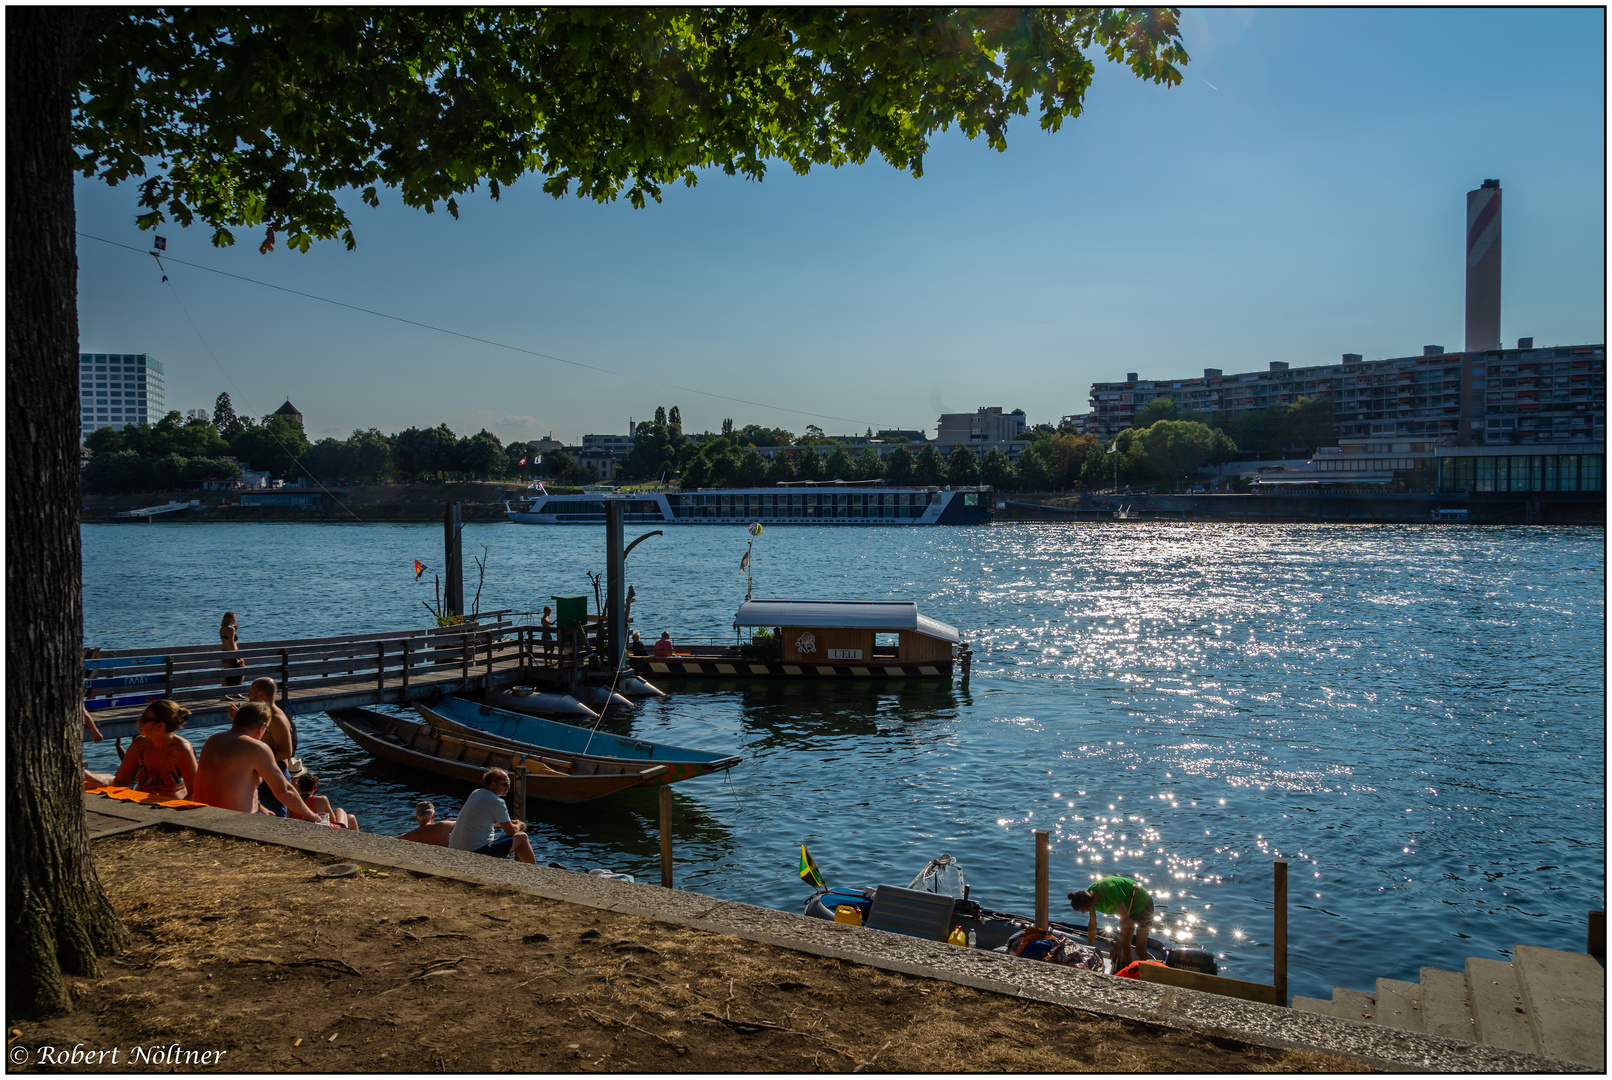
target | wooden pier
[{"x": 317, "y": 674}]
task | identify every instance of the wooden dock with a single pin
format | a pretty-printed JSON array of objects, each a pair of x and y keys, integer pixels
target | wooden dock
[{"x": 317, "y": 674}]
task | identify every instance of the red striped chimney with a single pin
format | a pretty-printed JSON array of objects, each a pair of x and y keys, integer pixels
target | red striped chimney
[{"x": 1483, "y": 267}]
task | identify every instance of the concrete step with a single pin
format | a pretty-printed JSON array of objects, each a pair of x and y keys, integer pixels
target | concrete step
[
  {"x": 1497, "y": 1010},
  {"x": 1564, "y": 994},
  {"x": 1399, "y": 1004},
  {"x": 1354, "y": 1005},
  {"x": 1446, "y": 1010},
  {"x": 1320, "y": 1005}
]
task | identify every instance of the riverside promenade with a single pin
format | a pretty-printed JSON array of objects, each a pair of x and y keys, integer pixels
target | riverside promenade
[{"x": 1174, "y": 1009}]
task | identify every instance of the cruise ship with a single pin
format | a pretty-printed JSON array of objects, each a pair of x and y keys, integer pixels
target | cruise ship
[{"x": 788, "y": 504}]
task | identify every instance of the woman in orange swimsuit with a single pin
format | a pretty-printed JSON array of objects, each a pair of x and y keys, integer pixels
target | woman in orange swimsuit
[{"x": 158, "y": 760}]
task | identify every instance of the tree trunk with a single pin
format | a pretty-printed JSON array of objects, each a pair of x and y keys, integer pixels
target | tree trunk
[{"x": 59, "y": 917}]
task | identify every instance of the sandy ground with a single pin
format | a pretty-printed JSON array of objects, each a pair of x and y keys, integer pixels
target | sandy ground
[{"x": 246, "y": 960}]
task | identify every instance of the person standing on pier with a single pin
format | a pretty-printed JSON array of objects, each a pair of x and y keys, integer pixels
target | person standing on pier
[
  {"x": 1133, "y": 904},
  {"x": 484, "y": 813},
  {"x": 227, "y": 632},
  {"x": 233, "y": 763}
]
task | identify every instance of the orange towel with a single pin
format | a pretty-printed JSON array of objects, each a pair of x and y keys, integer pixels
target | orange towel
[{"x": 131, "y": 795}]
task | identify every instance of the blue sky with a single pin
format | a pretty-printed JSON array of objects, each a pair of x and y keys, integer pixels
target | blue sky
[{"x": 1300, "y": 195}]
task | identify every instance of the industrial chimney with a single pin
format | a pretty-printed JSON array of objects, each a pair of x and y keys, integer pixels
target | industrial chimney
[{"x": 1483, "y": 268}]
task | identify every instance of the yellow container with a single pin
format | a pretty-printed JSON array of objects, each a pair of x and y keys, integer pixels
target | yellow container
[{"x": 848, "y": 914}]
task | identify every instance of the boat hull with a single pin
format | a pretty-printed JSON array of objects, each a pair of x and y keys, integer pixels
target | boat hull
[
  {"x": 534, "y": 734},
  {"x": 542, "y": 704},
  {"x": 401, "y": 742},
  {"x": 824, "y": 505}
]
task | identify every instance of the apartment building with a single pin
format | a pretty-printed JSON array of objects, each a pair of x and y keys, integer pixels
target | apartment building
[{"x": 1503, "y": 396}]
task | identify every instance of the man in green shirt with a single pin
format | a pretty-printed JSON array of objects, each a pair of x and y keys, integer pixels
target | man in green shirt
[{"x": 1123, "y": 897}]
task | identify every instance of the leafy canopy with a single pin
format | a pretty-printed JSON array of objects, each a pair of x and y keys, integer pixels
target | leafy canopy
[{"x": 256, "y": 118}]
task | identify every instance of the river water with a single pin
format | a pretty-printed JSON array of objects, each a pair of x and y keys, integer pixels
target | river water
[{"x": 1413, "y": 716}]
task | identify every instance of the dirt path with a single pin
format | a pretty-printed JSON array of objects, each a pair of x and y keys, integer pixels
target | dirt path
[{"x": 242, "y": 948}]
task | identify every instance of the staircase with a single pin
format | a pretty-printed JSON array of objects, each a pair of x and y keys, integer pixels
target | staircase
[{"x": 1545, "y": 1002}]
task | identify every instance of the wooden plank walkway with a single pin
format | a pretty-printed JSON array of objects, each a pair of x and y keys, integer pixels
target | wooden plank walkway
[{"x": 316, "y": 674}]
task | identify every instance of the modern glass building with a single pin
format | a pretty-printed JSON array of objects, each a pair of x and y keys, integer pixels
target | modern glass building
[{"x": 115, "y": 389}]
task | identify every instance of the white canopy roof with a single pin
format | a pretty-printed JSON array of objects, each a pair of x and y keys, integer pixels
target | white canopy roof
[{"x": 858, "y": 614}]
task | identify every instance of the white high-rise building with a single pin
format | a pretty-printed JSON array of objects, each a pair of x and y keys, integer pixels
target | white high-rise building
[{"x": 115, "y": 389}]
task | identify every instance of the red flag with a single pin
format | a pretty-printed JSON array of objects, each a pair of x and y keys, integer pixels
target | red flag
[
  {"x": 419, "y": 568},
  {"x": 522, "y": 461}
]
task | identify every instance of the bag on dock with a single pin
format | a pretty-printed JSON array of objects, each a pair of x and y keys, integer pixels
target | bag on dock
[{"x": 1032, "y": 943}]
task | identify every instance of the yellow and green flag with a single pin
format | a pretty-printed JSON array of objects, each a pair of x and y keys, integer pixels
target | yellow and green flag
[{"x": 808, "y": 870}]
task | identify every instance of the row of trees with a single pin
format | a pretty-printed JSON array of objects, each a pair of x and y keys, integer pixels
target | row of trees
[
  {"x": 1165, "y": 445},
  {"x": 1274, "y": 432}
]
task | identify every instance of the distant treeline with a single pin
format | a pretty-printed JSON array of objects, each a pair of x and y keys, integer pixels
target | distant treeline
[{"x": 1164, "y": 446}]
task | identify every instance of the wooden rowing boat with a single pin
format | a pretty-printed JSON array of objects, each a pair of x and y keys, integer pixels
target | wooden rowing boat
[
  {"x": 535, "y": 735},
  {"x": 549, "y": 777}
]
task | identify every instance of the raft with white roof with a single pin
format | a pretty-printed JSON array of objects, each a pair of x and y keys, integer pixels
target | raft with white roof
[{"x": 809, "y": 639}]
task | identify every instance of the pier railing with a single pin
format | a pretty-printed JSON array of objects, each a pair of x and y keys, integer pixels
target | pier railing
[{"x": 329, "y": 666}]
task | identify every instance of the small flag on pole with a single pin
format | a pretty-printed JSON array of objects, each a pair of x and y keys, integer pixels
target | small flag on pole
[
  {"x": 522, "y": 461},
  {"x": 744, "y": 563},
  {"x": 162, "y": 243},
  {"x": 808, "y": 870},
  {"x": 419, "y": 568},
  {"x": 1113, "y": 446}
]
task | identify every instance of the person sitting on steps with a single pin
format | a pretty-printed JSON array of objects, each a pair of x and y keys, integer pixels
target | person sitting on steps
[
  {"x": 158, "y": 760},
  {"x": 428, "y": 829},
  {"x": 233, "y": 762},
  {"x": 307, "y": 785},
  {"x": 483, "y": 814}
]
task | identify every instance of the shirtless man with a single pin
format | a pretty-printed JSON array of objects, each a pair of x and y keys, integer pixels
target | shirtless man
[
  {"x": 233, "y": 762},
  {"x": 429, "y": 830},
  {"x": 278, "y": 736}
]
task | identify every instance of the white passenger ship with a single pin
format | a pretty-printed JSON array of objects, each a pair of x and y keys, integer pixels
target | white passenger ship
[{"x": 787, "y": 504}]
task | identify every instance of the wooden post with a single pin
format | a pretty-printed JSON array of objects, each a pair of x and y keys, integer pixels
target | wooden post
[
  {"x": 1597, "y": 942},
  {"x": 1041, "y": 913},
  {"x": 517, "y": 793},
  {"x": 666, "y": 835},
  {"x": 464, "y": 658},
  {"x": 489, "y": 686},
  {"x": 285, "y": 674},
  {"x": 167, "y": 678},
  {"x": 1280, "y": 938},
  {"x": 405, "y": 671},
  {"x": 380, "y": 667},
  {"x": 453, "y": 560}
]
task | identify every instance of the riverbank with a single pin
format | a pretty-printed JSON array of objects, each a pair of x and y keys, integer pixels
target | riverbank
[
  {"x": 247, "y": 960},
  {"x": 358, "y": 504}
]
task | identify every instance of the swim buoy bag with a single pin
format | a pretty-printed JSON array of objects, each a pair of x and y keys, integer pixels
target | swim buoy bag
[{"x": 1131, "y": 970}]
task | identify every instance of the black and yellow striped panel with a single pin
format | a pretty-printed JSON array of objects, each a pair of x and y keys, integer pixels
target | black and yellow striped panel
[{"x": 743, "y": 669}]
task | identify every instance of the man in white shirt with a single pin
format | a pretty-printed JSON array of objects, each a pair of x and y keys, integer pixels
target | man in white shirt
[{"x": 483, "y": 815}]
